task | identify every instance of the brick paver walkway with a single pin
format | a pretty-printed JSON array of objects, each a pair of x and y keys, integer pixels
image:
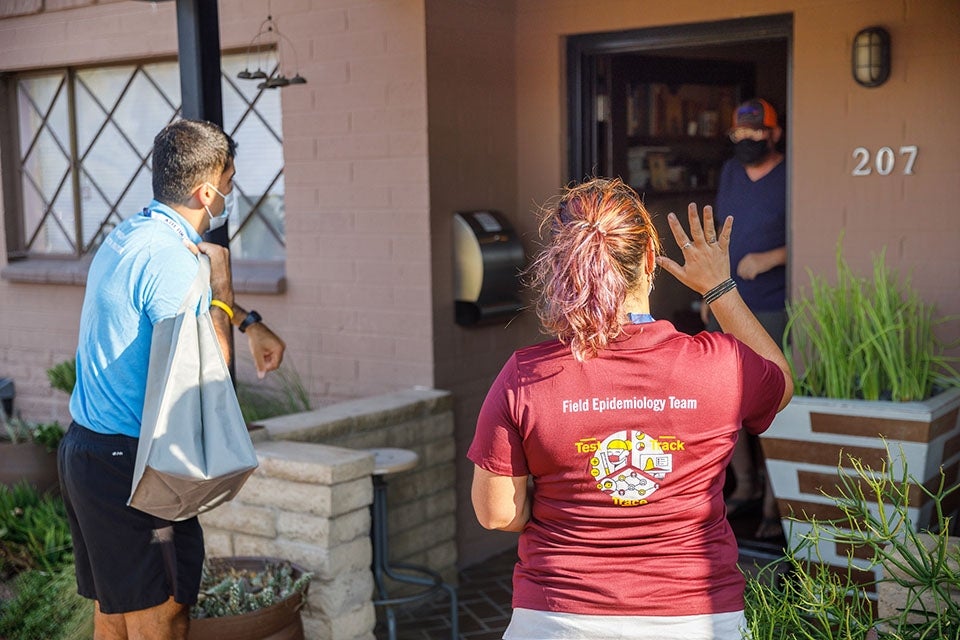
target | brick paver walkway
[{"x": 485, "y": 592}]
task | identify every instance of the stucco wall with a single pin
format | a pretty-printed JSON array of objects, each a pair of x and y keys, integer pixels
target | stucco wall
[
  {"x": 356, "y": 315},
  {"x": 473, "y": 137},
  {"x": 829, "y": 116}
]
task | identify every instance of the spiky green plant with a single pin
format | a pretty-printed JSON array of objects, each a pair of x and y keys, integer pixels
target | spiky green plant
[
  {"x": 227, "y": 590},
  {"x": 17, "y": 430},
  {"x": 797, "y": 597},
  {"x": 871, "y": 339}
]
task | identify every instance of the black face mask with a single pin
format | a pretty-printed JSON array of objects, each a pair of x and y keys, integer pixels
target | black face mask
[{"x": 750, "y": 152}]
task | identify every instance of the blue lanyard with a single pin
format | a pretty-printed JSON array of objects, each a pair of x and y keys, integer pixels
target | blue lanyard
[{"x": 639, "y": 318}]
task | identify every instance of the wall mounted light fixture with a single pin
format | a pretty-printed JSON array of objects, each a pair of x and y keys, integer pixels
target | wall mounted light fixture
[{"x": 871, "y": 56}]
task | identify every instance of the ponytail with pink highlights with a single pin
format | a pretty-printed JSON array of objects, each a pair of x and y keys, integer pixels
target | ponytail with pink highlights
[{"x": 600, "y": 234}]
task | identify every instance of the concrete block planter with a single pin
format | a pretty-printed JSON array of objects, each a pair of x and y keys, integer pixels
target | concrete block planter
[{"x": 811, "y": 437}]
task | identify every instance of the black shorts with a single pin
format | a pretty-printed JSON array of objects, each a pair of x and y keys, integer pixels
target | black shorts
[{"x": 126, "y": 559}]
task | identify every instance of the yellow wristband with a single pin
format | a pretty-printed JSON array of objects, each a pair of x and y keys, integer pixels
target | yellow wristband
[{"x": 220, "y": 304}]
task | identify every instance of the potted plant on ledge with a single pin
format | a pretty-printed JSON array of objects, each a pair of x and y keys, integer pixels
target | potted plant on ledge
[
  {"x": 869, "y": 372},
  {"x": 28, "y": 453},
  {"x": 28, "y": 450},
  {"x": 249, "y": 598}
]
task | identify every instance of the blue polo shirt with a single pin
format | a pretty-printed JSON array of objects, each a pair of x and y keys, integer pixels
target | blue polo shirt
[
  {"x": 139, "y": 276},
  {"x": 759, "y": 211}
]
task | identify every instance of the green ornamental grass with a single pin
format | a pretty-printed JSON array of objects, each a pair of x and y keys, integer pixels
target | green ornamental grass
[
  {"x": 287, "y": 395},
  {"x": 869, "y": 339}
]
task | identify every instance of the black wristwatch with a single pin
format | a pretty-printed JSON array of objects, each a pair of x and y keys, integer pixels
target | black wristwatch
[{"x": 252, "y": 318}]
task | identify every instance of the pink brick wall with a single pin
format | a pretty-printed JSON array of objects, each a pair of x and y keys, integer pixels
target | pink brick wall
[{"x": 357, "y": 312}]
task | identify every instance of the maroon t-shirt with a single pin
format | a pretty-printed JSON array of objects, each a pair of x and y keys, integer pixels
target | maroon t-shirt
[{"x": 628, "y": 453}]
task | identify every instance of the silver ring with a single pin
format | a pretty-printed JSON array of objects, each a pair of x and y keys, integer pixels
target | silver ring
[{"x": 686, "y": 246}]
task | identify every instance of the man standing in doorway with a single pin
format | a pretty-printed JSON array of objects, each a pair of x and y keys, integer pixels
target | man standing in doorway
[
  {"x": 753, "y": 189},
  {"x": 144, "y": 572}
]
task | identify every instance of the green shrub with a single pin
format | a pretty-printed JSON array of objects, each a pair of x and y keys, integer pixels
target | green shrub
[
  {"x": 17, "y": 430},
  {"x": 34, "y": 533},
  {"x": 63, "y": 376},
  {"x": 47, "y": 606},
  {"x": 48, "y": 435}
]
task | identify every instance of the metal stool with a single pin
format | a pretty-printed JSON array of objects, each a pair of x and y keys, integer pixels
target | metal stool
[{"x": 387, "y": 461}]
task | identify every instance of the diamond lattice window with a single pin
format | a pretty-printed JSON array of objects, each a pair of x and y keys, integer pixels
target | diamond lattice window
[{"x": 85, "y": 137}]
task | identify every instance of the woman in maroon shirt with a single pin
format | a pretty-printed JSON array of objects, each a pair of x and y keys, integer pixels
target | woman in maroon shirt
[{"x": 607, "y": 446}]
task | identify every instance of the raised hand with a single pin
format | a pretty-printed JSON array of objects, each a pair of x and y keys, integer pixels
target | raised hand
[{"x": 706, "y": 255}]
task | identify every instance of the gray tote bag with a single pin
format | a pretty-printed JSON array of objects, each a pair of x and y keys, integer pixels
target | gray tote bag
[{"x": 194, "y": 452}]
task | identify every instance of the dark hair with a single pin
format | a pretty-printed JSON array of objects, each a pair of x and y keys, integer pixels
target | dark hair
[
  {"x": 186, "y": 153},
  {"x": 601, "y": 232}
]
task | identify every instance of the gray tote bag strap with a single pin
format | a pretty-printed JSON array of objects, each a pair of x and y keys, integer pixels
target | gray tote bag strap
[{"x": 199, "y": 287}]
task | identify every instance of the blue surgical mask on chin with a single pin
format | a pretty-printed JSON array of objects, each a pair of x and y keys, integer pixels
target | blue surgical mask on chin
[{"x": 229, "y": 202}]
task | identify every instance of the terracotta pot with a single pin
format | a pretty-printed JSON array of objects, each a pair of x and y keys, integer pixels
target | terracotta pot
[
  {"x": 280, "y": 621},
  {"x": 31, "y": 462}
]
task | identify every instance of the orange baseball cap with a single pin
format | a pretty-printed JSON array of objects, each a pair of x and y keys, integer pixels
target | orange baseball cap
[{"x": 755, "y": 114}]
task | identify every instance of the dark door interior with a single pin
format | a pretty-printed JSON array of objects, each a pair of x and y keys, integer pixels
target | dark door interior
[{"x": 653, "y": 107}]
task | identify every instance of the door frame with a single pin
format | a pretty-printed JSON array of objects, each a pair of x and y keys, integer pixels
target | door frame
[{"x": 582, "y": 51}]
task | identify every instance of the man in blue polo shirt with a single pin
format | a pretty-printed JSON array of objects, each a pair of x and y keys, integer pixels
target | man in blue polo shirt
[
  {"x": 144, "y": 572},
  {"x": 753, "y": 189}
]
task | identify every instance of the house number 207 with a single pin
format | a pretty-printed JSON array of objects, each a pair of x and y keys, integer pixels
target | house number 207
[{"x": 885, "y": 160}]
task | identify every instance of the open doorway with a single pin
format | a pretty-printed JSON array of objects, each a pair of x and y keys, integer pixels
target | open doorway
[{"x": 653, "y": 107}]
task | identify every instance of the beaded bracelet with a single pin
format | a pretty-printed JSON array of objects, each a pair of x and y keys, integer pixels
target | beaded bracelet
[{"x": 727, "y": 285}]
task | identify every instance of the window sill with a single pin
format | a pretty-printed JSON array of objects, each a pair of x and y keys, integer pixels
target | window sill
[{"x": 249, "y": 276}]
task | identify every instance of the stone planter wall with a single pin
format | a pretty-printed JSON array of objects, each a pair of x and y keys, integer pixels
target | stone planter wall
[
  {"x": 812, "y": 436},
  {"x": 421, "y": 502},
  {"x": 309, "y": 504}
]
